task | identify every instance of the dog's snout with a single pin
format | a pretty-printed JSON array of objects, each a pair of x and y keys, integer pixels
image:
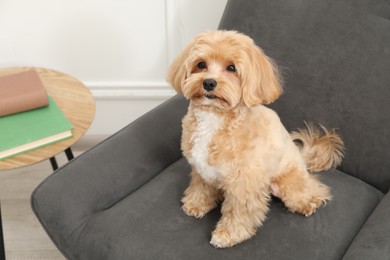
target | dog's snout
[{"x": 209, "y": 84}]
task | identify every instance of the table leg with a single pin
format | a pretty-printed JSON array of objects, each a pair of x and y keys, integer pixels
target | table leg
[
  {"x": 2, "y": 250},
  {"x": 69, "y": 154},
  {"x": 53, "y": 161}
]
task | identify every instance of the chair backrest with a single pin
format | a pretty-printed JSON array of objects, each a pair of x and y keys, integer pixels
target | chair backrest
[{"x": 335, "y": 59}]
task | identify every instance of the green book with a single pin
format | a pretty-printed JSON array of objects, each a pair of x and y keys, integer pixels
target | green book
[{"x": 32, "y": 129}]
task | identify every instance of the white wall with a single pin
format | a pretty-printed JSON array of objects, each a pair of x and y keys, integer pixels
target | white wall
[{"x": 119, "y": 48}]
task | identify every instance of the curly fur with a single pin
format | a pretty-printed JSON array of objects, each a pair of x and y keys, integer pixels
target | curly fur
[{"x": 239, "y": 150}]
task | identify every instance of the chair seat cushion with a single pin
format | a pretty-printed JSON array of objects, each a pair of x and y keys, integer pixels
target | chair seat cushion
[{"x": 150, "y": 224}]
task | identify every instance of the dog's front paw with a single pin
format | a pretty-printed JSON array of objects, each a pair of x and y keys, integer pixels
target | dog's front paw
[
  {"x": 224, "y": 237},
  {"x": 197, "y": 212},
  {"x": 197, "y": 206},
  {"x": 221, "y": 240},
  {"x": 199, "y": 198}
]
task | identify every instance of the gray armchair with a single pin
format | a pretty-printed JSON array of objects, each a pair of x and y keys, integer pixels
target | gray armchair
[{"x": 121, "y": 199}]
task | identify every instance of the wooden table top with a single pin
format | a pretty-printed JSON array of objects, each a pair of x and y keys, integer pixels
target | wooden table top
[{"x": 76, "y": 102}]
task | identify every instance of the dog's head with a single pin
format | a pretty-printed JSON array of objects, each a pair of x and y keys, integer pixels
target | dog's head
[{"x": 225, "y": 69}]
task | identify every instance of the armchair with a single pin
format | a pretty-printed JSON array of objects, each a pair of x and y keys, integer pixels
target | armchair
[{"x": 121, "y": 199}]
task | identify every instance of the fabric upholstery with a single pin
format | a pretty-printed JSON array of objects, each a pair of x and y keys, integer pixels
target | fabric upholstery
[
  {"x": 148, "y": 223},
  {"x": 335, "y": 59},
  {"x": 372, "y": 242}
]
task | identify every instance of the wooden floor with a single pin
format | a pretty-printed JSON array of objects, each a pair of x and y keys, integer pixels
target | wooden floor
[{"x": 24, "y": 238}]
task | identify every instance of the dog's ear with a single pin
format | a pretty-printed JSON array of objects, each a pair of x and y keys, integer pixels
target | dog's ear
[
  {"x": 177, "y": 72},
  {"x": 260, "y": 79}
]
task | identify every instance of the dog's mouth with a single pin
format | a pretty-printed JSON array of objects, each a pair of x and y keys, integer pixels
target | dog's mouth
[
  {"x": 210, "y": 95},
  {"x": 209, "y": 98}
]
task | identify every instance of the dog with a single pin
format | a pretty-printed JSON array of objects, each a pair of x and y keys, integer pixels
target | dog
[{"x": 239, "y": 151}]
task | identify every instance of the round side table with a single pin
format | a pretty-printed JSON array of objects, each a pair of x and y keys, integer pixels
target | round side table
[{"x": 76, "y": 102}]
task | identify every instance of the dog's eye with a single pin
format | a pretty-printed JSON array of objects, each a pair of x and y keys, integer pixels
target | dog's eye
[
  {"x": 231, "y": 68},
  {"x": 202, "y": 65}
]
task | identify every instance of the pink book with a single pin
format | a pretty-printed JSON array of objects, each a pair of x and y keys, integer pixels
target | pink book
[{"x": 21, "y": 92}]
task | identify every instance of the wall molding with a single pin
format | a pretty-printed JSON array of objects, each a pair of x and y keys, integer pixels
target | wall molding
[
  {"x": 130, "y": 90},
  {"x": 144, "y": 90}
]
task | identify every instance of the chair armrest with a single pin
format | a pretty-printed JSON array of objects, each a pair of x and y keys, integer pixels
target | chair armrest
[
  {"x": 104, "y": 175},
  {"x": 373, "y": 240}
]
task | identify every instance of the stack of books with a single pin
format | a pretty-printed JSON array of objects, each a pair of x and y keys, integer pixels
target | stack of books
[{"x": 29, "y": 119}]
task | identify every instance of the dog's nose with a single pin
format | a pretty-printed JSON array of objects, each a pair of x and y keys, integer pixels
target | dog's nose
[{"x": 209, "y": 84}]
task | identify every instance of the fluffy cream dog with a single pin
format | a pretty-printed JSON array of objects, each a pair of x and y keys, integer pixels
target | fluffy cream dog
[{"x": 239, "y": 150}]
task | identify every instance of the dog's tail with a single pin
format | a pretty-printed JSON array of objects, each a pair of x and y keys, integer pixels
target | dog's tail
[{"x": 321, "y": 149}]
